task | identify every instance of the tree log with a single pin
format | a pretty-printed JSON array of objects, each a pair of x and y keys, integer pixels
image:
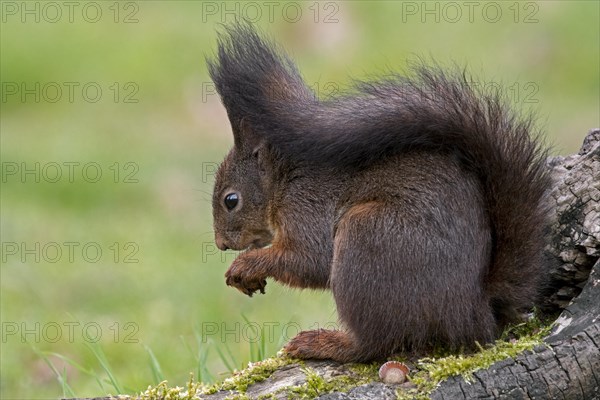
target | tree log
[{"x": 575, "y": 222}]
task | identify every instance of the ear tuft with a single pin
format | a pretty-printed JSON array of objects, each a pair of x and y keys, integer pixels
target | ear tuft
[{"x": 257, "y": 82}]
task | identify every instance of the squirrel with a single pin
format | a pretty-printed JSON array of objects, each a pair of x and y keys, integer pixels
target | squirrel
[{"x": 418, "y": 201}]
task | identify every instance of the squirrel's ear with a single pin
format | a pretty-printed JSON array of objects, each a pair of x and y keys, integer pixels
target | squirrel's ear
[
  {"x": 258, "y": 154},
  {"x": 263, "y": 158},
  {"x": 245, "y": 137}
]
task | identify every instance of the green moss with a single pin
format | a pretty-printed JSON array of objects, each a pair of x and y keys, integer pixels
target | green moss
[
  {"x": 270, "y": 396},
  {"x": 256, "y": 372},
  {"x": 239, "y": 382},
  {"x": 431, "y": 371},
  {"x": 238, "y": 396},
  {"x": 366, "y": 372},
  {"x": 162, "y": 391},
  {"x": 317, "y": 385}
]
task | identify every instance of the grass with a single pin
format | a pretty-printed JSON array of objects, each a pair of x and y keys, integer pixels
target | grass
[
  {"x": 200, "y": 357},
  {"x": 150, "y": 313},
  {"x": 108, "y": 383},
  {"x": 61, "y": 376}
]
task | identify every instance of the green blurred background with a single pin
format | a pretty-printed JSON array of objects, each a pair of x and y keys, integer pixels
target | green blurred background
[{"x": 156, "y": 133}]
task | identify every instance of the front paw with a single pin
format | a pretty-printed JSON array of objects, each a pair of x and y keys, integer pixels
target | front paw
[{"x": 243, "y": 276}]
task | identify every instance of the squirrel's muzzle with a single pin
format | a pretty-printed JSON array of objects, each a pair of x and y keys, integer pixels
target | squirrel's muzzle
[{"x": 220, "y": 242}]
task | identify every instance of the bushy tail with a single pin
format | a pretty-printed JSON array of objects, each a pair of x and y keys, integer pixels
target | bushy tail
[{"x": 434, "y": 110}]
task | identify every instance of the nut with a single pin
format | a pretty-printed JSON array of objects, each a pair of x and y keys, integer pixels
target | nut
[{"x": 393, "y": 372}]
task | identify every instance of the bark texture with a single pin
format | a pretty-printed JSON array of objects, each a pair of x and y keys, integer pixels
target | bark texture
[{"x": 575, "y": 221}]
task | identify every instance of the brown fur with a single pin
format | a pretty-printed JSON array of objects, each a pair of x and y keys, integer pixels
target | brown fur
[{"x": 418, "y": 202}]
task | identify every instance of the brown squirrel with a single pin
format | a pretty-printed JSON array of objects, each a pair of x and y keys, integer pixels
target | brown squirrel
[{"x": 418, "y": 201}]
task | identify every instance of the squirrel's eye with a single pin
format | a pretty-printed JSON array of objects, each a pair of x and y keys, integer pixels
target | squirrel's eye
[{"x": 231, "y": 201}]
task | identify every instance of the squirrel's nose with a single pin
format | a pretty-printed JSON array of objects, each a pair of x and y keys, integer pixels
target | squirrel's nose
[{"x": 221, "y": 243}]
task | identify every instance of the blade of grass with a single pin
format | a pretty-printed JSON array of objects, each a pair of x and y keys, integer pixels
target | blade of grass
[
  {"x": 200, "y": 356},
  {"x": 262, "y": 348},
  {"x": 253, "y": 350},
  {"x": 65, "y": 386},
  {"x": 155, "y": 366},
  {"x": 62, "y": 377},
  {"x": 204, "y": 375},
  {"x": 99, "y": 354},
  {"x": 89, "y": 372},
  {"x": 74, "y": 364},
  {"x": 229, "y": 363}
]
